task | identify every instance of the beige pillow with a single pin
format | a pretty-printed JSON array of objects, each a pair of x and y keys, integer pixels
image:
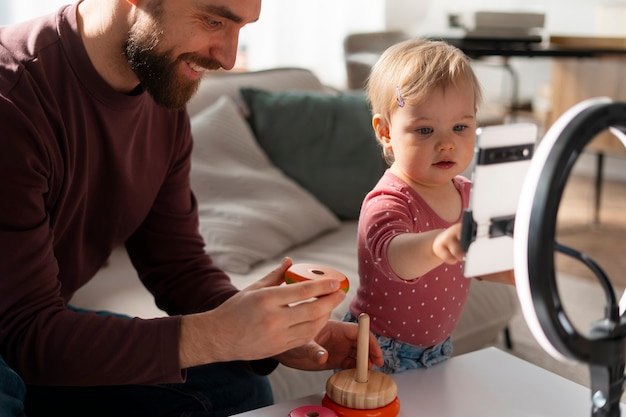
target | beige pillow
[{"x": 249, "y": 210}]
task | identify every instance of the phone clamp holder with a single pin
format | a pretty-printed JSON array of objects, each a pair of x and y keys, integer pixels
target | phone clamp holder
[{"x": 498, "y": 226}]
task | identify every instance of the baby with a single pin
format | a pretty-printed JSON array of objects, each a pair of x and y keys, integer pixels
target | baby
[{"x": 424, "y": 97}]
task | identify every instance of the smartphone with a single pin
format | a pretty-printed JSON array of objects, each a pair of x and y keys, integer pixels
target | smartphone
[{"x": 501, "y": 159}]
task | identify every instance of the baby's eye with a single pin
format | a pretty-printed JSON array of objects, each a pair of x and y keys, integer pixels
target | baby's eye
[
  {"x": 424, "y": 130},
  {"x": 459, "y": 128}
]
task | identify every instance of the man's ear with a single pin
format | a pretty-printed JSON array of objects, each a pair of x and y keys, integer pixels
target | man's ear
[{"x": 381, "y": 128}]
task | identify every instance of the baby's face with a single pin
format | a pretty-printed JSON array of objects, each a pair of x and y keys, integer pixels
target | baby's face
[{"x": 433, "y": 141}]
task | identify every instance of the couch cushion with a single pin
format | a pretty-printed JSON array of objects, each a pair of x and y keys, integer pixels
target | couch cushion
[
  {"x": 249, "y": 210},
  {"x": 227, "y": 83},
  {"x": 325, "y": 142}
]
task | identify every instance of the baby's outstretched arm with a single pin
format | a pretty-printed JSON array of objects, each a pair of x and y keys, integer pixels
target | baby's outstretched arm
[{"x": 413, "y": 254}]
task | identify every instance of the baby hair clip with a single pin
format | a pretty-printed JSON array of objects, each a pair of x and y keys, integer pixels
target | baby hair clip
[{"x": 399, "y": 98}]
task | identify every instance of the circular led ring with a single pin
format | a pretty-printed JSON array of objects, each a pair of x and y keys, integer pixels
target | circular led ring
[{"x": 535, "y": 223}]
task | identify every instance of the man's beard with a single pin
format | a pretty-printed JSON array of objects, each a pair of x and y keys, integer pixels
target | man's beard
[{"x": 157, "y": 71}]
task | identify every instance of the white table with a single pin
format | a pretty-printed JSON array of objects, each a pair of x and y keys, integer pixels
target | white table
[{"x": 484, "y": 383}]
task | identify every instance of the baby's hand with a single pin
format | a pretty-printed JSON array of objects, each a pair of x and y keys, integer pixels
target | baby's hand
[{"x": 447, "y": 245}]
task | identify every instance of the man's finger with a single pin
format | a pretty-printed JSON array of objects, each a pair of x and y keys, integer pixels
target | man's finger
[
  {"x": 273, "y": 278},
  {"x": 302, "y": 291}
]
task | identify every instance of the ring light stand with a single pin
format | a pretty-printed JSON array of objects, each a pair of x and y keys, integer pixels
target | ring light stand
[{"x": 603, "y": 349}]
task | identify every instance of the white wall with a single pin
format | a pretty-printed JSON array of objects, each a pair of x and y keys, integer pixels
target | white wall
[
  {"x": 19, "y": 10},
  {"x": 310, "y": 34}
]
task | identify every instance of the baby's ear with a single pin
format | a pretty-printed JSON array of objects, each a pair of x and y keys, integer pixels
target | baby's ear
[{"x": 381, "y": 127}]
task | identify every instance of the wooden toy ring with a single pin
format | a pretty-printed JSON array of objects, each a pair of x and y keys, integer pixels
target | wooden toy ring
[
  {"x": 390, "y": 410},
  {"x": 312, "y": 411},
  {"x": 307, "y": 272}
]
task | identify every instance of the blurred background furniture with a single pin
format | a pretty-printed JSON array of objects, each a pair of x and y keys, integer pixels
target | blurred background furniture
[
  {"x": 363, "y": 49},
  {"x": 575, "y": 80}
]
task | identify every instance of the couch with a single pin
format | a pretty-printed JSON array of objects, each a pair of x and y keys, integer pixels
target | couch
[{"x": 262, "y": 196}]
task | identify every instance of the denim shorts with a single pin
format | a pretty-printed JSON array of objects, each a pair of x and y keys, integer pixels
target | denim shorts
[
  {"x": 12, "y": 392},
  {"x": 400, "y": 356}
]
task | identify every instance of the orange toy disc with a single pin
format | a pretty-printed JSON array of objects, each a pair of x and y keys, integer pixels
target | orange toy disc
[
  {"x": 390, "y": 410},
  {"x": 306, "y": 272}
]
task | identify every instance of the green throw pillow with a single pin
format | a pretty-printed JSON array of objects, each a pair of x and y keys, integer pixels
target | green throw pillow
[{"x": 325, "y": 142}]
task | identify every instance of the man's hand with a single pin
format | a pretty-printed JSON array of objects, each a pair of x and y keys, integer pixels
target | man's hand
[
  {"x": 261, "y": 321},
  {"x": 334, "y": 347}
]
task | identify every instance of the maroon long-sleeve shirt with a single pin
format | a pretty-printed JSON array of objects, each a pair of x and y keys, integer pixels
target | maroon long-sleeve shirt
[{"x": 83, "y": 169}]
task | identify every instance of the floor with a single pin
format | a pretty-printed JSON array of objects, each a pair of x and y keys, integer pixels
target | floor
[{"x": 603, "y": 239}]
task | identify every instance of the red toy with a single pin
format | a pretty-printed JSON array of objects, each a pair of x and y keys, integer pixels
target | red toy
[{"x": 305, "y": 272}]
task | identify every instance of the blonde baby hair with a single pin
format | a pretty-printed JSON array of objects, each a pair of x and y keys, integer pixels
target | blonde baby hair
[{"x": 408, "y": 71}]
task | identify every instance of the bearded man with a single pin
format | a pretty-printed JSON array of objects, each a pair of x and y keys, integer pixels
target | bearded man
[{"x": 95, "y": 152}]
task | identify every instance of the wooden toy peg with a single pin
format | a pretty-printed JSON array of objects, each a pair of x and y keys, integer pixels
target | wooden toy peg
[
  {"x": 362, "y": 349},
  {"x": 361, "y": 388}
]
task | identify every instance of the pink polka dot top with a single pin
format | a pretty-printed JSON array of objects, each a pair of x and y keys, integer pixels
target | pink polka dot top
[{"x": 423, "y": 311}]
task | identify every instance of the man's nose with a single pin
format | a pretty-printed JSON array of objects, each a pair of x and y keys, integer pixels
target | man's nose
[{"x": 226, "y": 53}]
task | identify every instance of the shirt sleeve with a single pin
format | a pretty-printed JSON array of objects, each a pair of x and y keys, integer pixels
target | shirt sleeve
[{"x": 168, "y": 250}]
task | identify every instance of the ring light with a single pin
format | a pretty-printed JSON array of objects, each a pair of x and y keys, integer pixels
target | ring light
[{"x": 534, "y": 244}]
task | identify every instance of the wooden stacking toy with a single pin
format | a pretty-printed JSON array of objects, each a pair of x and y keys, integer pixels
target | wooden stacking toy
[
  {"x": 362, "y": 392},
  {"x": 306, "y": 272}
]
